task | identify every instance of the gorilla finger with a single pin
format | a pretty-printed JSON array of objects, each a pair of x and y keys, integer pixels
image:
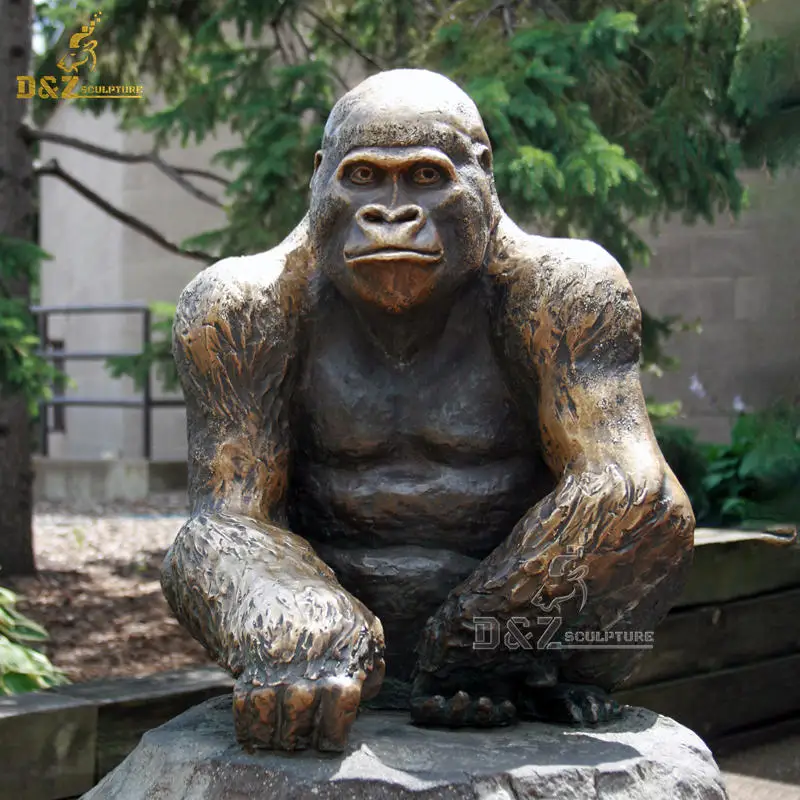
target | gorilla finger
[
  {"x": 457, "y": 709},
  {"x": 506, "y": 713},
  {"x": 266, "y": 704},
  {"x": 483, "y": 712},
  {"x": 242, "y": 713},
  {"x": 486, "y": 714},
  {"x": 483, "y": 706},
  {"x": 338, "y": 709},
  {"x": 300, "y": 702},
  {"x": 592, "y": 710},
  {"x": 255, "y": 716},
  {"x": 428, "y": 710},
  {"x": 572, "y": 711},
  {"x": 612, "y": 709}
]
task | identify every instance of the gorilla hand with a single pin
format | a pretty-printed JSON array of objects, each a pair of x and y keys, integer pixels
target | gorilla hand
[
  {"x": 311, "y": 702},
  {"x": 460, "y": 685},
  {"x": 304, "y": 651}
]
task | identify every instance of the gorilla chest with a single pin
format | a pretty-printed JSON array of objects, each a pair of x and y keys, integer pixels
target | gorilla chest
[
  {"x": 451, "y": 406},
  {"x": 431, "y": 454}
]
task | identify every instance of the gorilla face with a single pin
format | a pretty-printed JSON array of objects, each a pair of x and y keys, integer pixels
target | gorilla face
[{"x": 398, "y": 226}]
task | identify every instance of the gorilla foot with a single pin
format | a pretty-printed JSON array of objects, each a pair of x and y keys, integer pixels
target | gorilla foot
[
  {"x": 573, "y": 704},
  {"x": 434, "y": 705}
]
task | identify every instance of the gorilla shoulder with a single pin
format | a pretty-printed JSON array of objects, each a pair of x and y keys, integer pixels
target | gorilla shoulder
[
  {"x": 566, "y": 278},
  {"x": 271, "y": 284}
]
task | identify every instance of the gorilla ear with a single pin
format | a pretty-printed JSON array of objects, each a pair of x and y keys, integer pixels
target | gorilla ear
[
  {"x": 317, "y": 162},
  {"x": 485, "y": 159}
]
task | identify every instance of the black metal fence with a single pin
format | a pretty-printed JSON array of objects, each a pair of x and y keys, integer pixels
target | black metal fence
[{"x": 60, "y": 356}]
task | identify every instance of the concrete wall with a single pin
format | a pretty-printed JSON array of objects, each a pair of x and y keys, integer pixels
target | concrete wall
[
  {"x": 150, "y": 272},
  {"x": 98, "y": 260},
  {"x": 741, "y": 279},
  {"x": 86, "y": 246}
]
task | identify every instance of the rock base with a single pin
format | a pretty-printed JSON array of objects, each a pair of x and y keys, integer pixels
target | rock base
[{"x": 642, "y": 755}]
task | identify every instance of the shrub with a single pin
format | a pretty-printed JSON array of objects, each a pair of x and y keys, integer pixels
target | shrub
[
  {"x": 751, "y": 481},
  {"x": 754, "y": 480},
  {"x": 22, "y": 668}
]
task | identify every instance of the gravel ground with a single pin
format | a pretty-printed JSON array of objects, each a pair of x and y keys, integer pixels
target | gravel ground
[{"x": 98, "y": 591}]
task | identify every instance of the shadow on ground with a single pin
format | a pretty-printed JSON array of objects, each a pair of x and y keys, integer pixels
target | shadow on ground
[
  {"x": 108, "y": 620},
  {"x": 777, "y": 761}
]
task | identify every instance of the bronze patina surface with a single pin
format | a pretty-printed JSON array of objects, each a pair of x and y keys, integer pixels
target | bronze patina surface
[{"x": 408, "y": 419}]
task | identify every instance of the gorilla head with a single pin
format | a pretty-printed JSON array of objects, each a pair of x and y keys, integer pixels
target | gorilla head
[{"x": 402, "y": 198}]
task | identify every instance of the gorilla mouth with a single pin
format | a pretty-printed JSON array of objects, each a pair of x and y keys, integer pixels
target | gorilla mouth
[{"x": 389, "y": 254}]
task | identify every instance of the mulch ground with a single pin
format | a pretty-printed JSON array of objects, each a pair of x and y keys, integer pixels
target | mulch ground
[{"x": 98, "y": 593}]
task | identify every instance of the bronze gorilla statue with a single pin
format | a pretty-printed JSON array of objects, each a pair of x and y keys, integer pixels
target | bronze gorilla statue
[{"x": 401, "y": 420}]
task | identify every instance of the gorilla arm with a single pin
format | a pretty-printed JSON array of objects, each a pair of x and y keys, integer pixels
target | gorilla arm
[
  {"x": 255, "y": 594},
  {"x": 571, "y": 332}
]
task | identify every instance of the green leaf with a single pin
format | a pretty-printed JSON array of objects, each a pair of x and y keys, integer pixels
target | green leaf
[
  {"x": 19, "y": 682},
  {"x": 7, "y": 597}
]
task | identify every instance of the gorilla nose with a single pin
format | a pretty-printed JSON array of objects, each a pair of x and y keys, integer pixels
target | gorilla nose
[
  {"x": 381, "y": 232},
  {"x": 375, "y": 214}
]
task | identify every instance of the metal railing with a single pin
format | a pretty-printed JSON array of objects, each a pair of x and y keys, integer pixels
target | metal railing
[{"x": 146, "y": 402}]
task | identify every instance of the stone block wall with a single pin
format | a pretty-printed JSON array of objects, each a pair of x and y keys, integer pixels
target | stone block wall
[{"x": 741, "y": 280}]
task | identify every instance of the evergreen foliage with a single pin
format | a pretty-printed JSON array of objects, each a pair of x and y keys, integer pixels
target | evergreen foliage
[{"x": 601, "y": 118}]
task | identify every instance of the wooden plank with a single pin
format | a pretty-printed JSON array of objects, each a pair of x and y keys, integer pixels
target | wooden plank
[
  {"x": 780, "y": 536},
  {"x": 134, "y": 691},
  {"x": 706, "y": 639},
  {"x": 47, "y": 744},
  {"x": 724, "y": 702},
  {"x": 732, "y": 565},
  {"x": 127, "y": 708}
]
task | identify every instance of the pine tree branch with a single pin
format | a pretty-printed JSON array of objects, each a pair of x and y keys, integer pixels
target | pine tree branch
[
  {"x": 287, "y": 60},
  {"x": 203, "y": 173},
  {"x": 54, "y": 169},
  {"x": 310, "y": 57},
  {"x": 331, "y": 28},
  {"x": 177, "y": 174}
]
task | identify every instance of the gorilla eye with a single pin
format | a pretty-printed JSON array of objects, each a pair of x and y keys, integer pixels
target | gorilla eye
[
  {"x": 363, "y": 175},
  {"x": 426, "y": 175}
]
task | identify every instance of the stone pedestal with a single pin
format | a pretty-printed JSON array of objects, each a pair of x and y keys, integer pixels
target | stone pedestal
[{"x": 643, "y": 755}]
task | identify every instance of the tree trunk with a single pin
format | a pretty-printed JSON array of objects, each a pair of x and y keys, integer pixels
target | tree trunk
[{"x": 16, "y": 219}]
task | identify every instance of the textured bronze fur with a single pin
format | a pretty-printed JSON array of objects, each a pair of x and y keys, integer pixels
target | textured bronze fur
[{"x": 398, "y": 419}]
